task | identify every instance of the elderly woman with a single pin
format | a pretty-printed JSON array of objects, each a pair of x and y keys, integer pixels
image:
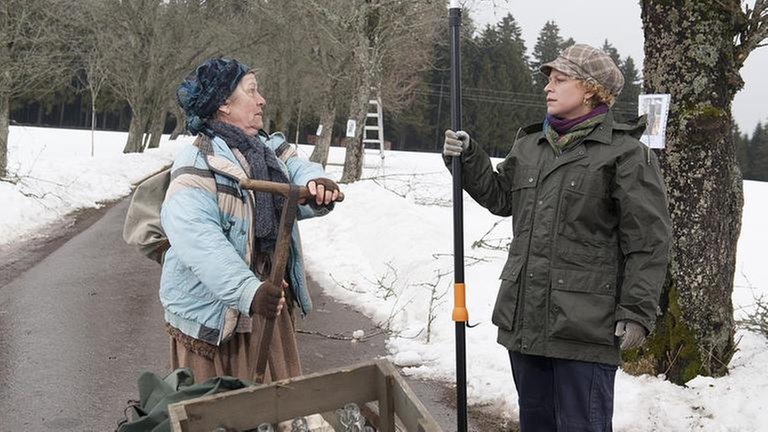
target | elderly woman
[
  {"x": 214, "y": 286},
  {"x": 589, "y": 252}
]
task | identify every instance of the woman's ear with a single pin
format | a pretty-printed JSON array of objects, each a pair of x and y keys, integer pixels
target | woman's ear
[
  {"x": 588, "y": 98},
  {"x": 588, "y": 95},
  {"x": 224, "y": 108}
]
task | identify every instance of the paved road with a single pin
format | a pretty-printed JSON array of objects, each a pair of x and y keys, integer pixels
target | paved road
[{"x": 80, "y": 317}]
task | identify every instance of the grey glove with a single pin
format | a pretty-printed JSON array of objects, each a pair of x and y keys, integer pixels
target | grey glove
[
  {"x": 455, "y": 142},
  {"x": 631, "y": 333}
]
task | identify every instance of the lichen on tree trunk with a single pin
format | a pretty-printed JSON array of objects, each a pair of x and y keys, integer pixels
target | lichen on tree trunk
[
  {"x": 673, "y": 350},
  {"x": 689, "y": 54}
]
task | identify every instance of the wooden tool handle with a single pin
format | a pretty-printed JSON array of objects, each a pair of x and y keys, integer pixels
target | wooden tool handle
[{"x": 279, "y": 188}]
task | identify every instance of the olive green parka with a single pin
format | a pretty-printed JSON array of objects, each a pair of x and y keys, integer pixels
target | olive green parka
[{"x": 591, "y": 234}]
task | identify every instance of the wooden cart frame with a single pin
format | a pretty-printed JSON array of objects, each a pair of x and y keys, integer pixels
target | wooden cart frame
[{"x": 245, "y": 409}]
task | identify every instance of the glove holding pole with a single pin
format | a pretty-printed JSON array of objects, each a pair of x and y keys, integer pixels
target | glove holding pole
[{"x": 455, "y": 143}]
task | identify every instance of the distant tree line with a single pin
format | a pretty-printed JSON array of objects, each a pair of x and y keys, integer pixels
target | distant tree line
[
  {"x": 114, "y": 65},
  {"x": 502, "y": 88},
  {"x": 122, "y": 59},
  {"x": 752, "y": 153}
]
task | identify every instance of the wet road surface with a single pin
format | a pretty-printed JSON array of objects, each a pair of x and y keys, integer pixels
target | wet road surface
[{"x": 80, "y": 318}]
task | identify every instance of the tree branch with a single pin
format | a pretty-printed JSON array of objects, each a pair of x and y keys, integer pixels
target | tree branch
[{"x": 752, "y": 28}]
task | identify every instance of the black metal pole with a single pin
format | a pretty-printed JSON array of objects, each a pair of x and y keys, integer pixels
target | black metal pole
[{"x": 459, "y": 309}]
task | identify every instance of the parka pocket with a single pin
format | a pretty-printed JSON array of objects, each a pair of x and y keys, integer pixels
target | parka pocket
[
  {"x": 573, "y": 255},
  {"x": 582, "y": 306},
  {"x": 506, "y": 301},
  {"x": 587, "y": 183},
  {"x": 586, "y": 212},
  {"x": 523, "y": 193}
]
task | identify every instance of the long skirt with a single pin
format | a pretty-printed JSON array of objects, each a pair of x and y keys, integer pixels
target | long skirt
[{"x": 237, "y": 357}]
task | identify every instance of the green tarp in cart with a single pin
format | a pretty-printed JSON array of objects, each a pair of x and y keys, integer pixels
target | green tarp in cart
[{"x": 150, "y": 412}]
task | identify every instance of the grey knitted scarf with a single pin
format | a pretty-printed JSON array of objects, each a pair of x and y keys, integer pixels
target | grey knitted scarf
[{"x": 264, "y": 166}]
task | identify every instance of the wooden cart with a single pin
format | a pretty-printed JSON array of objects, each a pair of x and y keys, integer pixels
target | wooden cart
[{"x": 245, "y": 409}]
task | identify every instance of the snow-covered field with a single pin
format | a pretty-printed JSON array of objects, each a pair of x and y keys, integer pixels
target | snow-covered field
[{"x": 387, "y": 250}]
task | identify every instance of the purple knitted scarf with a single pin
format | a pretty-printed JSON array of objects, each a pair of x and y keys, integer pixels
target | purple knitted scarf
[{"x": 562, "y": 126}]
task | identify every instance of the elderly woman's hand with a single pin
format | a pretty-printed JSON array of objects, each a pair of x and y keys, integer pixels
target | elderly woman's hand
[
  {"x": 325, "y": 191},
  {"x": 269, "y": 299}
]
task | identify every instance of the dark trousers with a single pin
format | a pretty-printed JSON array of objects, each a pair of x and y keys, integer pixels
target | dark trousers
[{"x": 556, "y": 395}]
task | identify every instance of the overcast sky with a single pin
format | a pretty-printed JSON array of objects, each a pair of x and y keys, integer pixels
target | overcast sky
[{"x": 581, "y": 21}]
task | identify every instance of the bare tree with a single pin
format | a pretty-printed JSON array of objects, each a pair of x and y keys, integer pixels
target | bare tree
[
  {"x": 375, "y": 48},
  {"x": 694, "y": 51},
  {"x": 90, "y": 56},
  {"x": 287, "y": 75},
  {"x": 154, "y": 43},
  {"x": 133, "y": 39},
  {"x": 33, "y": 61},
  {"x": 95, "y": 78},
  {"x": 330, "y": 56},
  {"x": 392, "y": 46}
]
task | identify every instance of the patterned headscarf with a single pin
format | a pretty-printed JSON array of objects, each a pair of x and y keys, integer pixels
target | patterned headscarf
[{"x": 206, "y": 88}]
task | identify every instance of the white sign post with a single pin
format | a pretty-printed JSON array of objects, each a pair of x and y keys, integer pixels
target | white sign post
[
  {"x": 351, "y": 126},
  {"x": 656, "y": 107},
  {"x": 319, "y": 130}
]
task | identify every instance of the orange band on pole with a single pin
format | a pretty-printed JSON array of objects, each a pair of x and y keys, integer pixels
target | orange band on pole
[{"x": 460, "y": 313}]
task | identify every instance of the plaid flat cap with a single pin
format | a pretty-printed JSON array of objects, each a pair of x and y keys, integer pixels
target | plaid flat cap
[{"x": 583, "y": 61}]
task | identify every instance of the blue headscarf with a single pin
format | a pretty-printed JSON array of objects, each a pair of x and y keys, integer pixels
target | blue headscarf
[{"x": 206, "y": 88}]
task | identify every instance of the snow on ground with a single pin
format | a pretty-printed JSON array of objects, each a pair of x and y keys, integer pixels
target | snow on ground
[
  {"x": 387, "y": 250},
  {"x": 57, "y": 175}
]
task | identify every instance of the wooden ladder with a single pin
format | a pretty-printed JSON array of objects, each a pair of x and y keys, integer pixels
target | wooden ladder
[{"x": 376, "y": 128}]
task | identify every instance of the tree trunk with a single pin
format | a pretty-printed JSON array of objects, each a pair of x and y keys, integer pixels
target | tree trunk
[
  {"x": 156, "y": 130},
  {"x": 267, "y": 118},
  {"x": 298, "y": 125},
  {"x": 323, "y": 142},
  {"x": 5, "y": 121},
  {"x": 145, "y": 139},
  {"x": 181, "y": 123},
  {"x": 353, "y": 156},
  {"x": 282, "y": 119},
  {"x": 135, "y": 142},
  {"x": 93, "y": 123},
  {"x": 689, "y": 54}
]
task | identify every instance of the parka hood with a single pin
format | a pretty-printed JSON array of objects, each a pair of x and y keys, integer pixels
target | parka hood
[{"x": 635, "y": 127}]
